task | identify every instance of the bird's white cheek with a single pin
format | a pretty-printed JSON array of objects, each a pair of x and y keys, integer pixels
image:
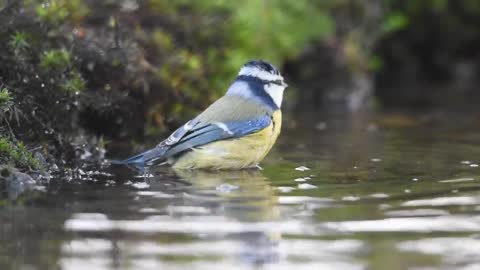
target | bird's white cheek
[{"x": 276, "y": 92}]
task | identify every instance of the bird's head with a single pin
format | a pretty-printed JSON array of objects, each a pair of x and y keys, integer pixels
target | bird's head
[{"x": 261, "y": 76}]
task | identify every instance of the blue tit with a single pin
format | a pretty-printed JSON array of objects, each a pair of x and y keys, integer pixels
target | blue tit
[{"x": 235, "y": 132}]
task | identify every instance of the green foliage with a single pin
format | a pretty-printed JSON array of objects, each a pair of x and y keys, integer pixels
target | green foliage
[
  {"x": 5, "y": 96},
  {"x": 59, "y": 11},
  {"x": 55, "y": 58},
  {"x": 17, "y": 153},
  {"x": 75, "y": 83},
  {"x": 394, "y": 22},
  {"x": 269, "y": 30},
  {"x": 376, "y": 63},
  {"x": 6, "y": 100},
  {"x": 19, "y": 41}
]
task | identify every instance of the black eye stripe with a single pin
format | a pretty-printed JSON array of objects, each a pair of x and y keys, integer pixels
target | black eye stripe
[
  {"x": 279, "y": 82},
  {"x": 256, "y": 79}
]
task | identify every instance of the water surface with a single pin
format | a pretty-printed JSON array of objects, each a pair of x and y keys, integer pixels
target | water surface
[{"x": 370, "y": 191}]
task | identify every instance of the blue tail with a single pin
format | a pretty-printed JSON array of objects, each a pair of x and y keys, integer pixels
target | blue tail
[{"x": 146, "y": 158}]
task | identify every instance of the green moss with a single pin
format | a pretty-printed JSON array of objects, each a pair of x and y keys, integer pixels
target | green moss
[
  {"x": 394, "y": 22},
  {"x": 17, "y": 152},
  {"x": 55, "y": 58},
  {"x": 19, "y": 41},
  {"x": 75, "y": 83},
  {"x": 58, "y": 11},
  {"x": 5, "y": 97}
]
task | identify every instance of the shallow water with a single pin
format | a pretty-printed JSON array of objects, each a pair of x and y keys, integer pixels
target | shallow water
[{"x": 371, "y": 191}]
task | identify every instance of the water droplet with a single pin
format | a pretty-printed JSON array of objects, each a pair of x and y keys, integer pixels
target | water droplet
[
  {"x": 350, "y": 198},
  {"x": 226, "y": 188},
  {"x": 372, "y": 128},
  {"x": 321, "y": 126},
  {"x": 140, "y": 185},
  {"x": 379, "y": 195},
  {"x": 145, "y": 175},
  {"x": 306, "y": 186},
  {"x": 286, "y": 189},
  {"x": 302, "y": 168}
]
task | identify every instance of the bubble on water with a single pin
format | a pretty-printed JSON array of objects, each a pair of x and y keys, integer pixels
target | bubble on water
[
  {"x": 140, "y": 185},
  {"x": 350, "y": 198},
  {"x": 375, "y": 160},
  {"x": 304, "y": 200},
  {"x": 372, "y": 127},
  {"x": 415, "y": 179},
  {"x": 306, "y": 186},
  {"x": 379, "y": 195},
  {"x": 155, "y": 194},
  {"x": 173, "y": 209},
  {"x": 285, "y": 189},
  {"x": 145, "y": 175},
  {"x": 321, "y": 126},
  {"x": 300, "y": 179},
  {"x": 474, "y": 165},
  {"x": 407, "y": 191},
  {"x": 226, "y": 188},
  {"x": 465, "y": 162},
  {"x": 302, "y": 168}
]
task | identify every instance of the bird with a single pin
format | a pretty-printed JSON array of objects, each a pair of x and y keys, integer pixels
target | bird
[{"x": 235, "y": 132}]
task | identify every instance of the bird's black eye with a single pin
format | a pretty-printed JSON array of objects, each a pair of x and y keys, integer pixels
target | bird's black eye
[{"x": 279, "y": 82}]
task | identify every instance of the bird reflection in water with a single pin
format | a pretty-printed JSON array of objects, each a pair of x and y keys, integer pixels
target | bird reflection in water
[{"x": 245, "y": 197}]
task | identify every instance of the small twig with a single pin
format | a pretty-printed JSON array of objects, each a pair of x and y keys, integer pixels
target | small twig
[{"x": 9, "y": 127}]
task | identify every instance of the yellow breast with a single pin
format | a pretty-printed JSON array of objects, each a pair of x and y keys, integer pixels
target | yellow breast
[{"x": 236, "y": 153}]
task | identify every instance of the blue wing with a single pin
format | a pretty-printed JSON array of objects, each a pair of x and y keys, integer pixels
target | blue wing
[
  {"x": 195, "y": 133},
  {"x": 219, "y": 131}
]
